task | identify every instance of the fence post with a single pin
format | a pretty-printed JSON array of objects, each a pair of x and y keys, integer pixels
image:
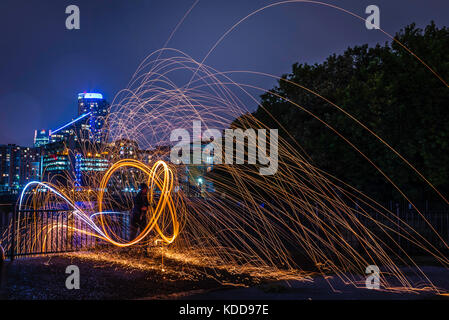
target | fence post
[
  {"x": 2, "y": 277},
  {"x": 2, "y": 258},
  {"x": 13, "y": 234}
]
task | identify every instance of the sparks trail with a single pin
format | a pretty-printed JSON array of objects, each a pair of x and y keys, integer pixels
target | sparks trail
[
  {"x": 252, "y": 222},
  {"x": 159, "y": 175}
]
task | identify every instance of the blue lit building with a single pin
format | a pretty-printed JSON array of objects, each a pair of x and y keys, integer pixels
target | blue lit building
[
  {"x": 71, "y": 147},
  {"x": 41, "y": 137},
  {"x": 55, "y": 160},
  {"x": 89, "y": 164},
  {"x": 89, "y": 126},
  {"x": 96, "y": 124},
  {"x": 60, "y": 153},
  {"x": 75, "y": 130}
]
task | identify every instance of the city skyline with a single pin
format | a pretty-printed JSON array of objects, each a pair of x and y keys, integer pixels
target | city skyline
[
  {"x": 59, "y": 150},
  {"x": 85, "y": 111},
  {"x": 42, "y": 75}
]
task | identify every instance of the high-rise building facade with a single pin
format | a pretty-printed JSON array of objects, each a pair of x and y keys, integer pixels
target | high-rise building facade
[
  {"x": 71, "y": 149},
  {"x": 96, "y": 123},
  {"x": 88, "y": 165},
  {"x": 41, "y": 137},
  {"x": 18, "y": 166},
  {"x": 89, "y": 126}
]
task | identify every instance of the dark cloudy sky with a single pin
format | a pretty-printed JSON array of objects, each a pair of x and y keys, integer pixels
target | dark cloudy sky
[{"x": 44, "y": 65}]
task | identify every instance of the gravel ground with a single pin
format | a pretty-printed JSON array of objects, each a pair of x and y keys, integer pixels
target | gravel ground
[
  {"x": 44, "y": 278},
  {"x": 124, "y": 274}
]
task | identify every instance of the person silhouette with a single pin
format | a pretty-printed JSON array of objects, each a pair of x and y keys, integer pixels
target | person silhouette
[{"x": 139, "y": 211}]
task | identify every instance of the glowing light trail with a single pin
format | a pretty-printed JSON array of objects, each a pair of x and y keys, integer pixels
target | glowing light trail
[
  {"x": 338, "y": 229},
  {"x": 71, "y": 122},
  {"x": 165, "y": 203}
]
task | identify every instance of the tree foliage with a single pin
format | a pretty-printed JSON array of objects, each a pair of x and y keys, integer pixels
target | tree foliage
[{"x": 389, "y": 91}]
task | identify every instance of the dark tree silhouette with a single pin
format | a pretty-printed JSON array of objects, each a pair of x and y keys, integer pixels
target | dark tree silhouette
[{"x": 389, "y": 91}]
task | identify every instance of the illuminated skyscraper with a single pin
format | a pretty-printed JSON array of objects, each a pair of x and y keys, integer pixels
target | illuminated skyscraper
[
  {"x": 41, "y": 137},
  {"x": 91, "y": 123},
  {"x": 96, "y": 124}
]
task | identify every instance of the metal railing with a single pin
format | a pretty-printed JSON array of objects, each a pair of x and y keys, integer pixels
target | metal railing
[
  {"x": 39, "y": 232},
  {"x": 408, "y": 229}
]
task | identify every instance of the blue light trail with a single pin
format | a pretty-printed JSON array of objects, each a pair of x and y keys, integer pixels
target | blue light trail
[{"x": 71, "y": 122}]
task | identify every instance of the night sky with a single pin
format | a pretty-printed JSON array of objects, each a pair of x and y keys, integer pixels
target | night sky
[{"x": 44, "y": 65}]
